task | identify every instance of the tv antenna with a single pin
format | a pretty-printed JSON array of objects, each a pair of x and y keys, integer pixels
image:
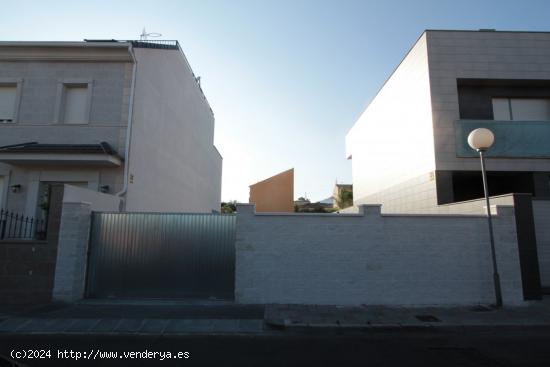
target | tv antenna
[{"x": 143, "y": 36}]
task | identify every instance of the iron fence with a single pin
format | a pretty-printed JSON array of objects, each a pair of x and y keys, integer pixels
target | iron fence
[{"x": 18, "y": 226}]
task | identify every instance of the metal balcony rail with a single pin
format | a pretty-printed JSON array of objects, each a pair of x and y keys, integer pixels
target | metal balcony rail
[
  {"x": 163, "y": 44},
  {"x": 18, "y": 226}
]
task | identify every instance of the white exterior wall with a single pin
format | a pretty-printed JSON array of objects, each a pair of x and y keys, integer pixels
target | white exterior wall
[
  {"x": 174, "y": 165},
  {"x": 97, "y": 201},
  {"x": 374, "y": 259},
  {"x": 484, "y": 55},
  {"x": 393, "y": 140}
]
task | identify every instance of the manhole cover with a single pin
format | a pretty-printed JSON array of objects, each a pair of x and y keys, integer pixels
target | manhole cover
[{"x": 427, "y": 318}]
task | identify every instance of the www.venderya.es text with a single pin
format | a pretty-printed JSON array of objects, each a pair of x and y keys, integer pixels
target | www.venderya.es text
[{"x": 95, "y": 354}]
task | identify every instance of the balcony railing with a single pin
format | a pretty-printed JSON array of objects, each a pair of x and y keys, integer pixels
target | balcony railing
[
  {"x": 159, "y": 44},
  {"x": 513, "y": 139},
  {"x": 18, "y": 226}
]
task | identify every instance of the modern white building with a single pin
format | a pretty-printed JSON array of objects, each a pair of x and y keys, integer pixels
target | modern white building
[
  {"x": 408, "y": 148},
  {"x": 128, "y": 118}
]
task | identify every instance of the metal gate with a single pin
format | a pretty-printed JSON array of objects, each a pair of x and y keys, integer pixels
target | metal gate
[{"x": 161, "y": 255}]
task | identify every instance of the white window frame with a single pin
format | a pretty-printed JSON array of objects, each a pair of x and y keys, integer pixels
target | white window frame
[
  {"x": 18, "y": 83},
  {"x": 62, "y": 86}
]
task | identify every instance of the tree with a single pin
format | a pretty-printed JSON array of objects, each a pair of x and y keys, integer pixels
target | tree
[
  {"x": 229, "y": 207},
  {"x": 345, "y": 198}
]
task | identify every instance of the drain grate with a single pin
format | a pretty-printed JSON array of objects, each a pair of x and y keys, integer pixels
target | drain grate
[{"x": 427, "y": 318}]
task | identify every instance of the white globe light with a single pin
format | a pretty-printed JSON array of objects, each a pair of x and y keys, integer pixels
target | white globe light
[{"x": 481, "y": 139}]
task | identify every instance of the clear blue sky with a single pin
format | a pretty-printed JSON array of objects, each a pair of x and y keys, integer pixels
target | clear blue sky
[{"x": 286, "y": 79}]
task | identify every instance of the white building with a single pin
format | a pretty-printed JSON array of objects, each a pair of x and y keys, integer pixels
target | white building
[
  {"x": 409, "y": 149},
  {"x": 124, "y": 117}
]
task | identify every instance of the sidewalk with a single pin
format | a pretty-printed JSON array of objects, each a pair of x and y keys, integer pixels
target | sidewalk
[
  {"x": 311, "y": 316},
  {"x": 224, "y": 318},
  {"x": 136, "y": 318}
]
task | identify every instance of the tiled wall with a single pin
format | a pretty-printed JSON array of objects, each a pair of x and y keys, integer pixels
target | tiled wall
[
  {"x": 373, "y": 259},
  {"x": 416, "y": 195},
  {"x": 484, "y": 55}
]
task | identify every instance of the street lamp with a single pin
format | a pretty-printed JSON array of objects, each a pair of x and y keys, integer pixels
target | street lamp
[{"x": 482, "y": 139}]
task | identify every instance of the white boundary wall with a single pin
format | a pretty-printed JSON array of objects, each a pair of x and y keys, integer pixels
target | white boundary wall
[
  {"x": 98, "y": 201},
  {"x": 374, "y": 259}
]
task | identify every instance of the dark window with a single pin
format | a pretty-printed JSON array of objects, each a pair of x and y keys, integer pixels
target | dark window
[
  {"x": 475, "y": 96},
  {"x": 469, "y": 185}
]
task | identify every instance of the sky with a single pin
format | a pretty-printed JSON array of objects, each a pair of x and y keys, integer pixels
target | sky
[{"x": 286, "y": 79}]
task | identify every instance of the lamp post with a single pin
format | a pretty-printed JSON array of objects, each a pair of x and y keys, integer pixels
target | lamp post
[{"x": 482, "y": 139}]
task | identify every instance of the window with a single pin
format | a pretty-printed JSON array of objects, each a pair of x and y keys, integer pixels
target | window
[
  {"x": 527, "y": 109},
  {"x": 75, "y": 104},
  {"x": 74, "y": 98},
  {"x": 8, "y": 97}
]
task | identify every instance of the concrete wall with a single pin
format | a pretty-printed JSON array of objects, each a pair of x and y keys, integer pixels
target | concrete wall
[
  {"x": 373, "y": 259},
  {"x": 275, "y": 194},
  {"x": 174, "y": 165},
  {"x": 541, "y": 214},
  {"x": 392, "y": 141},
  {"x": 486, "y": 55}
]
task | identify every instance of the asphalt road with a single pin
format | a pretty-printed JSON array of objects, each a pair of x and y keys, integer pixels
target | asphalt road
[{"x": 469, "y": 347}]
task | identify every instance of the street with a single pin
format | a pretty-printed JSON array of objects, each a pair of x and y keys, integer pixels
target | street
[{"x": 518, "y": 346}]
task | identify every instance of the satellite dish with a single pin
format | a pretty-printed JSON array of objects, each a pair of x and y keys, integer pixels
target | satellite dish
[{"x": 143, "y": 36}]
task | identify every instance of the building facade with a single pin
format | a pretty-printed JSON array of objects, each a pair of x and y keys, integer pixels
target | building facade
[
  {"x": 126, "y": 118},
  {"x": 408, "y": 148},
  {"x": 274, "y": 194}
]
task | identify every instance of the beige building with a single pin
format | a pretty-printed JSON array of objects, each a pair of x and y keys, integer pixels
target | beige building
[
  {"x": 275, "y": 194},
  {"x": 127, "y": 118}
]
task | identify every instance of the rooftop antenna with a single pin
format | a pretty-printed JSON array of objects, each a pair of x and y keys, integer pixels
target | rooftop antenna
[{"x": 143, "y": 36}]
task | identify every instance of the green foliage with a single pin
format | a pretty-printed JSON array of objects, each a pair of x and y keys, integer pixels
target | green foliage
[
  {"x": 229, "y": 207},
  {"x": 344, "y": 199}
]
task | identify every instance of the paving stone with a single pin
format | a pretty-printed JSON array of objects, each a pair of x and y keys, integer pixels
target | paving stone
[
  {"x": 82, "y": 325},
  {"x": 154, "y": 326},
  {"x": 36, "y": 325},
  {"x": 225, "y": 326},
  {"x": 59, "y": 325},
  {"x": 13, "y": 324},
  {"x": 189, "y": 326},
  {"x": 177, "y": 326},
  {"x": 129, "y": 325},
  {"x": 251, "y": 326},
  {"x": 106, "y": 325}
]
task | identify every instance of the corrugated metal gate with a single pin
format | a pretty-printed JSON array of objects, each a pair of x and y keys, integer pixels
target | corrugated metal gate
[{"x": 161, "y": 255}]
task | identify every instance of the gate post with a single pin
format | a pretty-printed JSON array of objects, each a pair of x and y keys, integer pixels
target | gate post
[{"x": 72, "y": 252}]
